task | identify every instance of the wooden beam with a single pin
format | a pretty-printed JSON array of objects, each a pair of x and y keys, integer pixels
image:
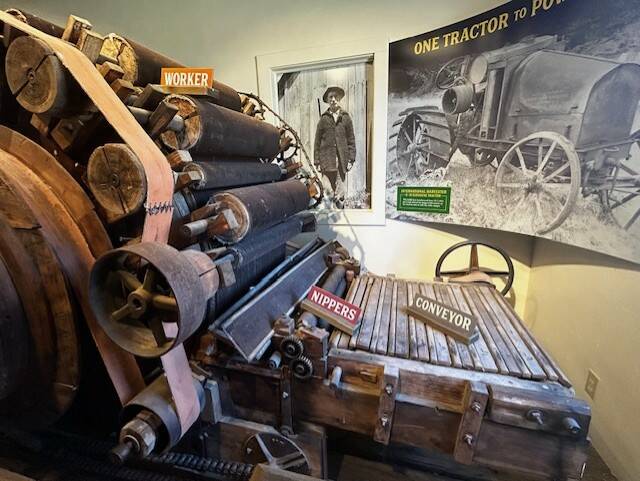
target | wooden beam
[{"x": 475, "y": 402}]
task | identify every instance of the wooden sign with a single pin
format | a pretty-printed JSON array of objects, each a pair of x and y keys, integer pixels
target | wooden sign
[
  {"x": 186, "y": 77},
  {"x": 337, "y": 312},
  {"x": 451, "y": 321}
]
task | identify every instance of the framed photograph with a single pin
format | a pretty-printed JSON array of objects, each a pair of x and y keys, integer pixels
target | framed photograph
[{"x": 332, "y": 102}]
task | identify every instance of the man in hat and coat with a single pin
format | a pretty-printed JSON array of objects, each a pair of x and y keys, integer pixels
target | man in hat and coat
[{"x": 335, "y": 144}]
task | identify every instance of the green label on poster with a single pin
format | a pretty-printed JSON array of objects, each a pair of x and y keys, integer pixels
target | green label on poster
[{"x": 435, "y": 200}]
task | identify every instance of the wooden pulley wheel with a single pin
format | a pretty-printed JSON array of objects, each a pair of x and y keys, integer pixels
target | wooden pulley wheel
[
  {"x": 148, "y": 297},
  {"x": 118, "y": 48},
  {"x": 188, "y": 110},
  {"x": 117, "y": 180},
  {"x": 37, "y": 77},
  {"x": 50, "y": 354},
  {"x": 13, "y": 334}
]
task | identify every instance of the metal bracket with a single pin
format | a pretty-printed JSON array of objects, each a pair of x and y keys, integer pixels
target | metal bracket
[{"x": 286, "y": 402}]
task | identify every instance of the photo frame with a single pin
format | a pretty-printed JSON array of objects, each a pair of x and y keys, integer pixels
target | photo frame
[{"x": 279, "y": 71}]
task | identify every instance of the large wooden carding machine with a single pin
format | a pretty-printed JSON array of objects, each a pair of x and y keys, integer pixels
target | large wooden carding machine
[{"x": 151, "y": 254}]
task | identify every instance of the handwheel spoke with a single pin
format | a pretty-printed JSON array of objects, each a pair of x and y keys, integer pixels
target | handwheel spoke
[
  {"x": 129, "y": 280},
  {"x": 407, "y": 136},
  {"x": 459, "y": 272},
  {"x": 473, "y": 258},
  {"x": 165, "y": 303},
  {"x": 149, "y": 280},
  {"x": 157, "y": 329},
  {"x": 491, "y": 273},
  {"x": 265, "y": 450},
  {"x": 121, "y": 313}
]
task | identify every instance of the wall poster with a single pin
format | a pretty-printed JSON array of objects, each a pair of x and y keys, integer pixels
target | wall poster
[
  {"x": 529, "y": 114},
  {"x": 330, "y": 108}
]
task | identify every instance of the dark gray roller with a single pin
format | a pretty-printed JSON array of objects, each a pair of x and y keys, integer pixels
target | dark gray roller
[
  {"x": 218, "y": 175},
  {"x": 259, "y": 207},
  {"x": 214, "y": 130},
  {"x": 255, "y": 246}
]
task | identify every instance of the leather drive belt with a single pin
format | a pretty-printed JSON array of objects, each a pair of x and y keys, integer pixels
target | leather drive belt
[{"x": 158, "y": 206}]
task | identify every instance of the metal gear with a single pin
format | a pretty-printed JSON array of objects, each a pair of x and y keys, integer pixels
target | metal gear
[
  {"x": 292, "y": 347},
  {"x": 302, "y": 368}
]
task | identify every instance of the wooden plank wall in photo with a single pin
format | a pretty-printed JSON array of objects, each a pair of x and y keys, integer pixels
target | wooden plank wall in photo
[{"x": 299, "y": 93}]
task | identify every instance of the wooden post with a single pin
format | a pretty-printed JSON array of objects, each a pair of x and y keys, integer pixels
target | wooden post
[
  {"x": 160, "y": 118},
  {"x": 74, "y": 28},
  {"x": 90, "y": 44},
  {"x": 475, "y": 404},
  {"x": 387, "y": 404}
]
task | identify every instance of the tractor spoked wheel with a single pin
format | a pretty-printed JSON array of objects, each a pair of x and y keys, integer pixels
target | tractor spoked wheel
[
  {"x": 422, "y": 144},
  {"x": 539, "y": 179},
  {"x": 621, "y": 202}
]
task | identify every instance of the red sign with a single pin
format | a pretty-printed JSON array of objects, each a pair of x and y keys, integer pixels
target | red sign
[{"x": 336, "y": 309}]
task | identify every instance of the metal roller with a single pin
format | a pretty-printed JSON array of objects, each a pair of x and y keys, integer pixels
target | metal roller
[
  {"x": 261, "y": 206},
  {"x": 150, "y": 422},
  {"x": 214, "y": 130},
  {"x": 218, "y": 175},
  {"x": 149, "y": 297},
  {"x": 255, "y": 246}
]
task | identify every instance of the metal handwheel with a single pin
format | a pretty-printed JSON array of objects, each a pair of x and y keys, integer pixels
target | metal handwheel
[{"x": 475, "y": 273}]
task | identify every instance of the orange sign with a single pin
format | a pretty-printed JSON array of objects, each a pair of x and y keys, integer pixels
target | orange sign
[{"x": 186, "y": 77}]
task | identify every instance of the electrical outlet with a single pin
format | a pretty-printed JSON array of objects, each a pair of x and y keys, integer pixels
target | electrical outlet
[{"x": 591, "y": 384}]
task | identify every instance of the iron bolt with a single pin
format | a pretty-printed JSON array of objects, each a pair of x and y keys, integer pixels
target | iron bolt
[
  {"x": 285, "y": 395},
  {"x": 536, "y": 416},
  {"x": 388, "y": 389},
  {"x": 384, "y": 420},
  {"x": 468, "y": 438},
  {"x": 249, "y": 450},
  {"x": 475, "y": 406}
]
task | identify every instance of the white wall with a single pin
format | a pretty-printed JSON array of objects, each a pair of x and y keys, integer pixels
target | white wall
[{"x": 583, "y": 307}]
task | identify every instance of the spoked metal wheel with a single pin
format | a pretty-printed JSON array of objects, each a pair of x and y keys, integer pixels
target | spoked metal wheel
[
  {"x": 419, "y": 145},
  {"x": 147, "y": 297},
  {"x": 276, "y": 451},
  {"x": 539, "y": 179},
  {"x": 622, "y": 200}
]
